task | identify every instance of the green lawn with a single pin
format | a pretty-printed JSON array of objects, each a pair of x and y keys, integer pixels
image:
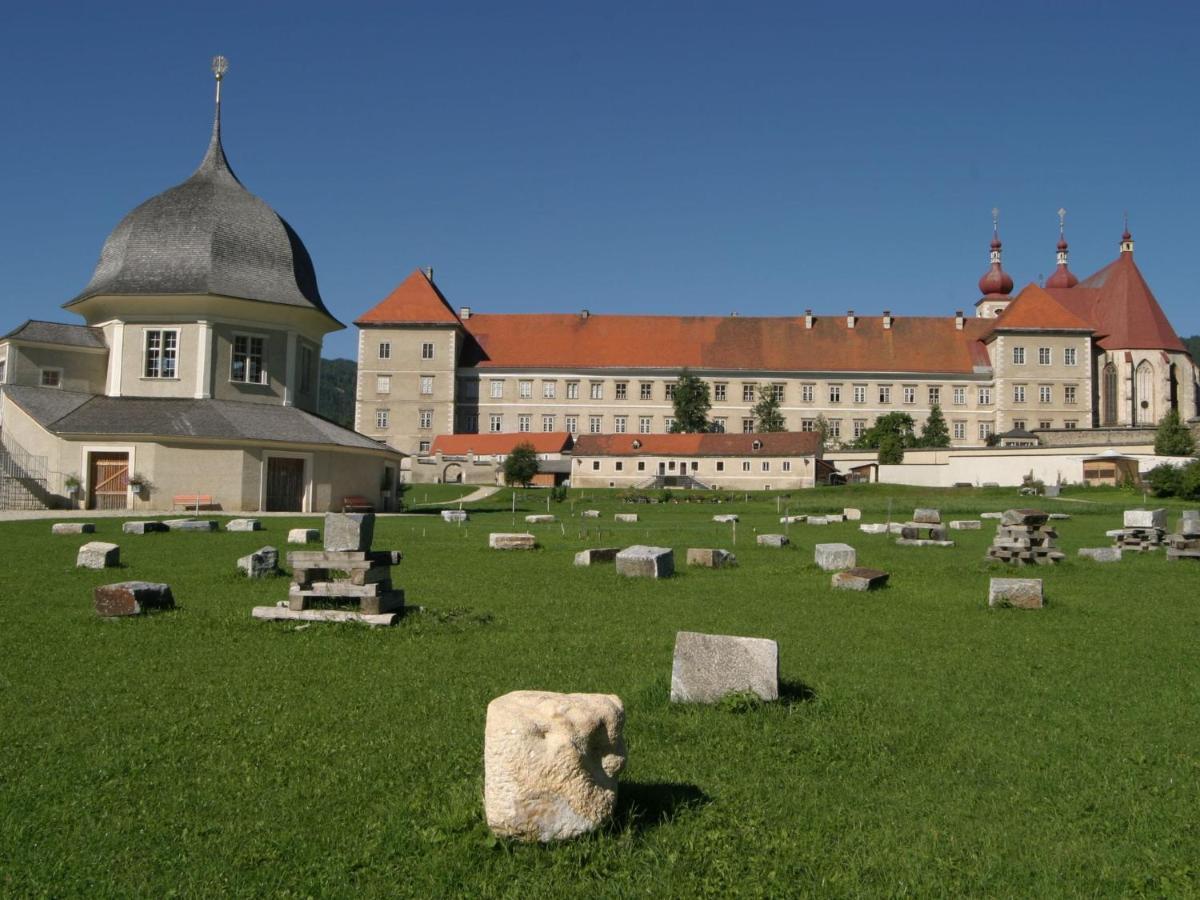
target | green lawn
[{"x": 926, "y": 746}]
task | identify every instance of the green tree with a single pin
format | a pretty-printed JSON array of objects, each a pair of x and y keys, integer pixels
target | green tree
[
  {"x": 896, "y": 424},
  {"x": 520, "y": 465},
  {"x": 934, "y": 432},
  {"x": 891, "y": 450},
  {"x": 692, "y": 404},
  {"x": 1173, "y": 437},
  {"x": 767, "y": 415},
  {"x": 821, "y": 426}
]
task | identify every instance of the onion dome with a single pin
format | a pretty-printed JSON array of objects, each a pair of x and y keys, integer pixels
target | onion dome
[
  {"x": 208, "y": 235},
  {"x": 1063, "y": 277},
  {"x": 995, "y": 282}
]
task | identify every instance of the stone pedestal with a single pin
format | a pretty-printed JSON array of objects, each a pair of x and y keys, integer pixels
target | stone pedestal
[
  {"x": 774, "y": 540},
  {"x": 349, "y": 531},
  {"x": 832, "y": 557},
  {"x": 1022, "y": 593},
  {"x": 625, "y": 517},
  {"x": 500, "y": 540},
  {"x": 261, "y": 563},
  {"x": 966, "y": 525},
  {"x": 708, "y": 667},
  {"x": 243, "y": 525},
  {"x": 98, "y": 555},
  {"x": 454, "y": 515},
  {"x": 710, "y": 558},
  {"x": 541, "y": 519},
  {"x": 143, "y": 527},
  {"x": 131, "y": 598},
  {"x": 201, "y": 525},
  {"x": 303, "y": 536},
  {"x": 73, "y": 528},
  {"x": 927, "y": 517},
  {"x": 859, "y": 579},
  {"x": 640, "y": 561},
  {"x": 1024, "y": 538}
]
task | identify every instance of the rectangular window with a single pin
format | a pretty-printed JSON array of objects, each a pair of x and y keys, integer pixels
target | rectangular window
[
  {"x": 382, "y": 416},
  {"x": 423, "y": 446},
  {"x": 669, "y": 424},
  {"x": 935, "y": 396},
  {"x": 620, "y": 424},
  {"x": 643, "y": 424},
  {"x": 426, "y": 385},
  {"x": 1045, "y": 393},
  {"x": 718, "y": 425},
  {"x": 51, "y": 377},
  {"x": 959, "y": 396},
  {"x": 427, "y": 351},
  {"x": 247, "y": 363},
  {"x": 669, "y": 390},
  {"x": 595, "y": 465},
  {"x": 1045, "y": 423},
  {"x": 306, "y": 368},
  {"x": 808, "y": 424},
  {"x": 597, "y": 390},
  {"x": 747, "y": 426},
  {"x": 720, "y": 465},
  {"x": 594, "y": 424},
  {"x": 1018, "y": 393},
  {"x": 960, "y": 431},
  {"x": 426, "y": 418},
  {"x": 620, "y": 466},
  {"x": 766, "y": 465},
  {"x": 860, "y": 393},
  {"x": 523, "y": 422},
  {"x": 985, "y": 396},
  {"x": 497, "y": 390},
  {"x": 806, "y": 393},
  {"x": 749, "y": 391},
  {"x": 835, "y": 393},
  {"x": 645, "y": 390},
  {"x": 495, "y": 423},
  {"x": 885, "y": 393},
  {"x": 385, "y": 350},
  {"x": 835, "y": 428},
  {"x": 162, "y": 347},
  {"x": 1068, "y": 393},
  {"x": 777, "y": 392},
  {"x": 910, "y": 395},
  {"x": 860, "y": 428},
  {"x": 622, "y": 390},
  {"x": 787, "y": 465},
  {"x": 1044, "y": 356},
  {"x": 572, "y": 424},
  {"x": 383, "y": 384},
  {"x": 525, "y": 390},
  {"x": 719, "y": 390},
  {"x": 746, "y": 465},
  {"x": 472, "y": 423},
  {"x": 641, "y": 467},
  {"x": 1070, "y": 424},
  {"x": 1018, "y": 355},
  {"x": 1018, "y": 424},
  {"x": 1070, "y": 357},
  {"x": 547, "y": 423},
  {"x": 572, "y": 390},
  {"x": 985, "y": 430},
  {"x": 549, "y": 389}
]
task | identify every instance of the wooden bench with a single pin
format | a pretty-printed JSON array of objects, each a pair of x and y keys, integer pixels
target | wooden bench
[
  {"x": 193, "y": 501},
  {"x": 357, "y": 503}
]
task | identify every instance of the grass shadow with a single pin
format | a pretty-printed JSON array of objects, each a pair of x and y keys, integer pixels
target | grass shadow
[
  {"x": 792, "y": 691},
  {"x": 642, "y": 805}
]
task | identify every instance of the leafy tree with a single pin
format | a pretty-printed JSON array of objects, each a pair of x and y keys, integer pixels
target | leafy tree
[
  {"x": 767, "y": 415},
  {"x": 934, "y": 432},
  {"x": 520, "y": 465},
  {"x": 822, "y": 428},
  {"x": 1173, "y": 437},
  {"x": 1165, "y": 480},
  {"x": 891, "y": 450},
  {"x": 692, "y": 404},
  {"x": 895, "y": 424}
]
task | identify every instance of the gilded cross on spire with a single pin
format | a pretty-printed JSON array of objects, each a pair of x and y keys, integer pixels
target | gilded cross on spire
[
  {"x": 1062, "y": 220},
  {"x": 996, "y": 219},
  {"x": 220, "y": 65}
]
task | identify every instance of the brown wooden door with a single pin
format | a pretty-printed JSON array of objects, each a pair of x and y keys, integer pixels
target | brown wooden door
[
  {"x": 285, "y": 484},
  {"x": 109, "y": 481}
]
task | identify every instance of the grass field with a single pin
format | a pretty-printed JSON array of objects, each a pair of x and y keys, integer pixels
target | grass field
[{"x": 926, "y": 746}]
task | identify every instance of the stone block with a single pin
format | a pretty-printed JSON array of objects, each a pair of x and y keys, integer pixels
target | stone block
[
  {"x": 850, "y": 514},
  {"x": 832, "y": 557},
  {"x": 710, "y": 558},
  {"x": 625, "y": 517},
  {"x": 833, "y": 518},
  {"x": 243, "y": 525},
  {"x": 966, "y": 525},
  {"x": 349, "y": 531},
  {"x": 550, "y": 763},
  {"x": 190, "y": 524},
  {"x": 927, "y": 517},
  {"x": 1146, "y": 518},
  {"x": 1115, "y": 532},
  {"x": 73, "y": 528},
  {"x": 98, "y": 555},
  {"x": 1024, "y": 517},
  {"x": 1189, "y": 525},
  {"x": 1051, "y": 490},
  {"x": 303, "y": 536},
  {"x": 873, "y": 528},
  {"x": 817, "y": 520},
  {"x": 859, "y": 579},
  {"x": 499, "y": 540},
  {"x": 1101, "y": 554},
  {"x": 261, "y": 563},
  {"x": 895, "y": 528},
  {"x": 991, "y": 515},
  {"x": 640, "y": 561},
  {"x": 593, "y": 555},
  {"x": 143, "y": 527},
  {"x": 773, "y": 540},
  {"x": 708, "y": 667},
  {"x": 1022, "y": 593},
  {"x": 454, "y": 515},
  {"x": 791, "y": 520},
  {"x": 726, "y": 519},
  {"x": 922, "y": 542},
  {"x": 540, "y": 519},
  {"x": 131, "y": 598},
  {"x": 1059, "y": 517},
  {"x": 590, "y": 514}
]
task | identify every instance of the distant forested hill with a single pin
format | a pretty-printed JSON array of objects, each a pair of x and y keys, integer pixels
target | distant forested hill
[
  {"x": 337, "y": 390},
  {"x": 1193, "y": 345}
]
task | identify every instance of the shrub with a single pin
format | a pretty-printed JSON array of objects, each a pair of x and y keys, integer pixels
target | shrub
[{"x": 1173, "y": 437}]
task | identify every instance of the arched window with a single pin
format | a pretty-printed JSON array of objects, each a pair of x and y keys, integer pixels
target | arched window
[
  {"x": 1143, "y": 393},
  {"x": 1110, "y": 394}
]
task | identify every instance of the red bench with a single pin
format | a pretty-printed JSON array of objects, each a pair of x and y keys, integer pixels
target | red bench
[
  {"x": 357, "y": 503},
  {"x": 193, "y": 501}
]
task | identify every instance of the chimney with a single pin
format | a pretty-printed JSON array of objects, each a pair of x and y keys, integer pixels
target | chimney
[
  {"x": 808, "y": 318},
  {"x": 958, "y": 319},
  {"x": 428, "y": 270},
  {"x": 585, "y": 313},
  {"x": 850, "y": 318},
  {"x": 887, "y": 318},
  {"x": 464, "y": 313}
]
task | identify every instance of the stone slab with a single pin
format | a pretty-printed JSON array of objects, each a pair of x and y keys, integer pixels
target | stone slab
[
  {"x": 772, "y": 540},
  {"x": 873, "y": 528},
  {"x": 73, "y": 528},
  {"x": 500, "y": 540},
  {"x": 832, "y": 557},
  {"x": 261, "y": 563},
  {"x": 143, "y": 528},
  {"x": 322, "y": 615},
  {"x": 726, "y": 519},
  {"x": 303, "y": 536},
  {"x": 1021, "y": 593},
  {"x": 190, "y": 524},
  {"x": 131, "y": 598},
  {"x": 454, "y": 515},
  {"x": 710, "y": 558},
  {"x": 625, "y": 517},
  {"x": 349, "y": 531},
  {"x": 966, "y": 525},
  {"x": 541, "y": 519},
  {"x": 243, "y": 525},
  {"x": 791, "y": 520},
  {"x": 817, "y": 520},
  {"x": 707, "y": 667},
  {"x": 850, "y": 514},
  {"x": 1101, "y": 554},
  {"x": 590, "y": 514},
  {"x": 98, "y": 555},
  {"x": 1146, "y": 518},
  {"x": 1024, "y": 517},
  {"x": 926, "y": 516},
  {"x": 991, "y": 515},
  {"x": 641, "y": 561},
  {"x": 593, "y": 555},
  {"x": 895, "y": 528},
  {"x": 922, "y": 542},
  {"x": 859, "y": 579},
  {"x": 1059, "y": 517}
]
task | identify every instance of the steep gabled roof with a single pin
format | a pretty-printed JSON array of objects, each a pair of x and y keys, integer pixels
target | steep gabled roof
[
  {"x": 415, "y": 301},
  {"x": 781, "y": 443},
  {"x": 1120, "y": 307},
  {"x": 39, "y": 332},
  {"x": 1035, "y": 309},
  {"x": 503, "y": 443}
]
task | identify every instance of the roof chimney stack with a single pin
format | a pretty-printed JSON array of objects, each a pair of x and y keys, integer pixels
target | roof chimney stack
[
  {"x": 808, "y": 318},
  {"x": 887, "y": 318},
  {"x": 850, "y": 318},
  {"x": 585, "y": 313},
  {"x": 464, "y": 313},
  {"x": 958, "y": 319},
  {"x": 428, "y": 270}
]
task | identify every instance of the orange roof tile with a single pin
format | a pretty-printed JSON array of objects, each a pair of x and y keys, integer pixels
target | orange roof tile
[
  {"x": 784, "y": 344},
  {"x": 415, "y": 301},
  {"x": 502, "y": 443},
  {"x": 780, "y": 443},
  {"x": 1034, "y": 309}
]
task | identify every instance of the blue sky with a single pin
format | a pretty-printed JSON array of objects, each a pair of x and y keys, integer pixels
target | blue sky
[{"x": 640, "y": 157}]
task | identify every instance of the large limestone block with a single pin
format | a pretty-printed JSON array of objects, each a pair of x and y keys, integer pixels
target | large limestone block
[
  {"x": 966, "y": 525},
  {"x": 243, "y": 525},
  {"x": 625, "y": 517},
  {"x": 190, "y": 524},
  {"x": 590, "y": 514},
  {"x": 1145, "y": 518},
  {"x": 991, "y": 515},
  {"x": 640, "y": 561},
  {"x": 1101, "y": 554},
  {"x": 550, "y": 763},
  {"x": 131, "y": 598},
  {"x": 817, "y": 520},
  {"x": 726, "y": 519},
  {"x": 98, "y": 555},
  {"x": 850, "y": 514},
  {"x": 1022, "y": 593},
  {"x": 708, "y": 667},
  {"x": 303, "y": 536},
  {"x": 774, "y": 540},
  {"x": 859, "y": 579},
  {"x": 1189, "y": 524},
  {"x": 927, "y": 517},
  {"x": 143, "y": 527},
  {"x": 873, "y": 528},
  {"x": 593, "y": 555},
  {"x": 73, "y": 528},
  {"x": 1024, "y": 517},
  {"x": 261, "y": 563},
  {"x": 540, "y": 519},
  {"x": 454, "y": 515},
  {"x": 791, "y": 520},
  {"x": 832, "y": 557},
  {"x": 349, "y": 531},
  {"x": 710, "y": 558},
  {"x": 502, "y": 540},
  {"x": 831, "y": 518}
]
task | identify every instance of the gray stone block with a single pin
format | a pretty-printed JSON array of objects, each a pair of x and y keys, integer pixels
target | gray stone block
[
  {"x": 261, "y": 563},
  {"x": 590, "y": 514},
  {"x": 707, "y": 667},
  {"x": 454, "y": 515},
  {"x": 98, "y": 555},
  {"x": 1024, "y": 517},
  {"x": 131, "y": 598},
  {"x": 73, "y": 528},
  {"x": 640, "y": 561},
  {"x": 1022, "y": 593},
  {"x": 349, "y": 531},
  {"x": 791, "y": 520},
  {"x": 850, "y": 514},
  {"x": 1146, "y": 518},
  {"x": 143, "y": 527},
  {"x": 816, "y": 520},
  {"x": 927, "y": 517},
  {"x": 541, "y": 519},
  {"x": 710, "y": 558},
  {"x": 1189, "y": 524},
  {"x": 501, "y": 540},
  {"x": 873, "y": 528},
  {"x": 625, "y": 517},
  {"x": 303, "y": 536},
  {"x": 726, "y": 519},
  {"x": 834, "y": 518},
  {"x": 991, "y": 515},
  {"x": 190, "y": 524},
  {"x": 773, "y": 540},
  {"x": 922, "y": 542},
  {"x": 966, "y": 525},
  {"x": 859, "y": 579},
  {"x": 895, "y": 528},
  {"x": 593, "y": 555},
  {"x": 243, "y": 525},
  {"x": 1101, "y": 554},
  {"x": 1059, "y": 517},
  {"x": 832, "y": 557}
]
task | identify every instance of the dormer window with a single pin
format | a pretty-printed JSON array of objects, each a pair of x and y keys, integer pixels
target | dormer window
[
  {"x": 757, "y": 445},
  {"x": 247, "y": 363},
  {"x": 161, "y": 353}
]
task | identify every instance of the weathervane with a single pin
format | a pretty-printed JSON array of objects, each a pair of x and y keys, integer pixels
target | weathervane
[
  {"x": 995, "y": 218},
  {"x": 1062, "y": 221},
  {"x": 220, "y": 65}
]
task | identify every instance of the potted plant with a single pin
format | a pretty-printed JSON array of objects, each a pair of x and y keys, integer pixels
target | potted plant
[
  {"x": 139, "y": 485},
  {"x": 72, "y": 484}
]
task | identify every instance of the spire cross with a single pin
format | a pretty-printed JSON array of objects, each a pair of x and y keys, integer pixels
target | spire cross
[
  {"x": 1062, "y": 218},
  {"x": 995, "y": 220},
  {"x": 220, "y": 65}
]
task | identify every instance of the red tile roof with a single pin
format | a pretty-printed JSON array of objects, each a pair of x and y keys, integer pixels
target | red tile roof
[
  {"x": 415, "y": 301},
  {"x": 1035, "y": 309},
  {"x": 912, "y": 344},
  {"x": 781, "y": 443},
  {"x": 1119, "y": 305},
  {"x": 502, "y": 443}
]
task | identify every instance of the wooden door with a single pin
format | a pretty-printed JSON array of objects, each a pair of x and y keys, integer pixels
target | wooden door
[
  {"x": 109, "y": 481},
  {"x": 285, "y": 484}
]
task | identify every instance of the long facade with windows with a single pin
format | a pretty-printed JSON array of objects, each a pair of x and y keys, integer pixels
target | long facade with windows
[{"x": 1072, "y": 354}]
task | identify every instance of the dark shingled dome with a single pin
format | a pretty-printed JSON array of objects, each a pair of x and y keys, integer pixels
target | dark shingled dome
[{"x": 208, "y": 235}]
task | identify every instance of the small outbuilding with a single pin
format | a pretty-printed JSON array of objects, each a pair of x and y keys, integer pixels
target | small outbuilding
[{"x": 1110, "y": 468}]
